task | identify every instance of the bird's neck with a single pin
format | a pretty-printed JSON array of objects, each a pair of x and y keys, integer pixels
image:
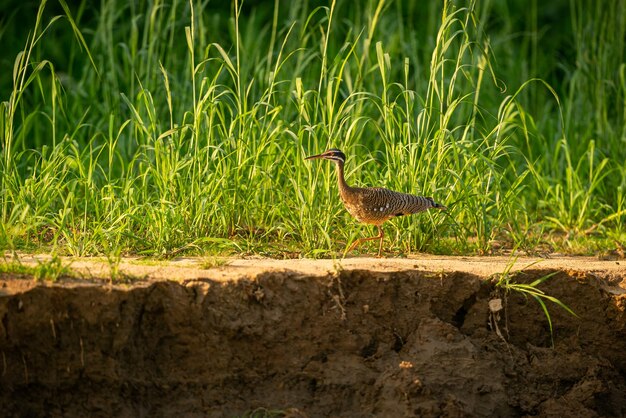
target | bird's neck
[{"x": 341, "y": 180}]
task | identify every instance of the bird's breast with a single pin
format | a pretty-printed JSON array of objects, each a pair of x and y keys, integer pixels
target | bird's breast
[{"x": 367, "y": 213}]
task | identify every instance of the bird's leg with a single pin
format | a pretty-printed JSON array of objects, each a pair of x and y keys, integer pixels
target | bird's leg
[{"x": 380, "y": 236}]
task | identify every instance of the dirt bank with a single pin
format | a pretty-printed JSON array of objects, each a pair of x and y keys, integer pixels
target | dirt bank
[{"x": 350, "y": 340}]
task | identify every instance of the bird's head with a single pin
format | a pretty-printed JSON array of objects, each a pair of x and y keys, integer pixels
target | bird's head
[{"x": 332, "y": 154}]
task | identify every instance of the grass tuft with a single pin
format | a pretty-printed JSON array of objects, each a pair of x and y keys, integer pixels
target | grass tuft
[
  {"x": 48, "y": 270},
  {"x": 506, "y": 282}
]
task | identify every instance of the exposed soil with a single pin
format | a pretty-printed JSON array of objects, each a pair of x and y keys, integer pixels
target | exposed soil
[{"x": 387, "y": 338}]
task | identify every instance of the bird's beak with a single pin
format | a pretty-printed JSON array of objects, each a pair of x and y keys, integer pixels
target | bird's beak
[{"x": 313, "y": 157}]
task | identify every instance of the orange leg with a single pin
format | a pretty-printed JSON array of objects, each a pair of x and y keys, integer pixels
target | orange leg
[{"x": 380, "y": 236}]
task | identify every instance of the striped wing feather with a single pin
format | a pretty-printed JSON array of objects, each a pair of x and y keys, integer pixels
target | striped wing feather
[
  {"x": 376, "y": 205},
  {"x": 395, "y": 203}
]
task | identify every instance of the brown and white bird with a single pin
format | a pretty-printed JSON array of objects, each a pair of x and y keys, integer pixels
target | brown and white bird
[{"x": 374, "y": 205}]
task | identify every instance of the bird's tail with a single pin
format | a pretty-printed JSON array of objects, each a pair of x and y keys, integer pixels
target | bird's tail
[{"x": 436, "y": 205}]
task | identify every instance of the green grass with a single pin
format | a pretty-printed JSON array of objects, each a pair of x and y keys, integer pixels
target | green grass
[
  {"x": 51, "y": 270},
  {"x": 163, "y": 129},
  {"x": 507, "y": 282}
]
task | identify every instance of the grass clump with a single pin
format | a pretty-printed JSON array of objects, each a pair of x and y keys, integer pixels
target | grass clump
[
  {"x": 208, "y": 262},
  {"x": 167, "y": 129},
  {"x": 507, "y": 282},
  {"x": 50, "y": 270}
]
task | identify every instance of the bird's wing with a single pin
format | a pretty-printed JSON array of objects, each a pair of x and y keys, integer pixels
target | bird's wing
[{"x": 391, "y": 203}]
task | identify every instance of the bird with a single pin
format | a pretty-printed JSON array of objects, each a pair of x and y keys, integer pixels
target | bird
[{"x": 374, "y": 205}]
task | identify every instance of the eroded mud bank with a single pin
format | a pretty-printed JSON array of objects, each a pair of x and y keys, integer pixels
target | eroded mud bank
[{"x": 354, "y": 344}]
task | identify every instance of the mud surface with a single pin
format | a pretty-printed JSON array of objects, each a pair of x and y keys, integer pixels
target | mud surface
[{"x": 349, "y": 343}]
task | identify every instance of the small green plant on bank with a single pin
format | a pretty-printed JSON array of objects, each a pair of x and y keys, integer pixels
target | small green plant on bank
[
  {"x": 209, "y": 262},
  {"x": 52, "y": 269},
  {"x": 16, "y": 268},
  {"x": 506, "y": 282}
]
